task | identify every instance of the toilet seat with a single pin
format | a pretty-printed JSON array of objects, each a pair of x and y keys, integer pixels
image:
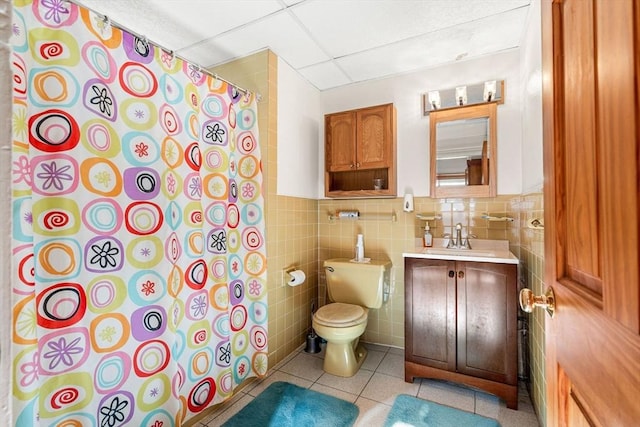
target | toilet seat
[{"x": 340, "y": 315}]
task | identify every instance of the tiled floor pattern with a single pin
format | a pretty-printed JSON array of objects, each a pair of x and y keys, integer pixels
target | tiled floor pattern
[{"x": 374, "y": 388}]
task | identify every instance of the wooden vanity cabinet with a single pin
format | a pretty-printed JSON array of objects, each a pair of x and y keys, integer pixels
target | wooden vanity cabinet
[
  {"x": 461, "y": 324},
  {"x": 360, "y": 146}
]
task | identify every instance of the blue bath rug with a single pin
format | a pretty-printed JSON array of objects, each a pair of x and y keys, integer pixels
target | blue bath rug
[
  {"x": 411, "y": 411},
  {"x": 284, "y": 404}
]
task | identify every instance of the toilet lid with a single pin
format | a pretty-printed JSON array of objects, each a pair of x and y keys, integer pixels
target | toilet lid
[{"x": 340, "y": 315}]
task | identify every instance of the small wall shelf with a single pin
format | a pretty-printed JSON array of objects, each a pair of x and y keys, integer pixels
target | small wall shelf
[
  {"x": 428, "y": 216},
  {"x": 496, "y": 218},
  {"x": 349, "y": 215}
]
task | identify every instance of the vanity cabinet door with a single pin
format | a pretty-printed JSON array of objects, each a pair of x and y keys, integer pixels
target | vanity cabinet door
[
  {"x": 430, "y": 312},
  {"x": 460, "y": 324},
  {"x": 487, "y": 321}
]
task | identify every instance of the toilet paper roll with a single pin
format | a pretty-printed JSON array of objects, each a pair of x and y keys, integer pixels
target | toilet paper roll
[{"x": 297, "y": 278}]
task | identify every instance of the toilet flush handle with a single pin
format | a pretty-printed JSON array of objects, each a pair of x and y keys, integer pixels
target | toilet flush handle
[{"x": 330, "y": 269}]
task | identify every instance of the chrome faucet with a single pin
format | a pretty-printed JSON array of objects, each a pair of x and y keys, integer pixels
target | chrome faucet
[{"x": 459, "y": 242}]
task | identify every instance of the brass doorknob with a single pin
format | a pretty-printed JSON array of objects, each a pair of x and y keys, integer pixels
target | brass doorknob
[{"x": 547, "y": 301}]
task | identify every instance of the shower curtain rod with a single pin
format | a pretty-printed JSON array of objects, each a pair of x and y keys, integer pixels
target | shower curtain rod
[{"x": 108, "y": 21}]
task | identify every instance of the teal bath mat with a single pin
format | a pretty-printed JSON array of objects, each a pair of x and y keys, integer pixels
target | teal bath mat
[
  {"x": 284, "y": 404},
  {"x": 409, "y": 410}
]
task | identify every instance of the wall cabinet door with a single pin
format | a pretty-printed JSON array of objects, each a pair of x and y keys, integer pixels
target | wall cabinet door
[
  {"x": 374, "y": 127},
  {"x": 360, "y": 147},
  {"x": 340, "y": 135},
  {"x": 460, "y": 324}
]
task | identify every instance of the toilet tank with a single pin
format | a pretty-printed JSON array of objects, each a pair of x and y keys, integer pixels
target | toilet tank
[{"x": 357, "y": 283}]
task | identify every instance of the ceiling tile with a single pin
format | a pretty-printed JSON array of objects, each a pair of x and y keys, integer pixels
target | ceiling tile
[
  {"x": 325, "y": 75},
  {"x": 279, "y": 32},
  {"x": 492, "y": 34},
  {"x": 357, "y": 25}
]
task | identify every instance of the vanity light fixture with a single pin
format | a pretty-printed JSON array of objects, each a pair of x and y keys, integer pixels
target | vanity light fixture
[
  {"x": 434, "y": 99},
  {"x": 489, "y": 91},
  {"x": 461, "y": 96}
]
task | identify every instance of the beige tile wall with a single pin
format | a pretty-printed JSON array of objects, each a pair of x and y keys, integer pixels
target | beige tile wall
[
  {"x": 531, "y": 254},
  {"x": 293, "y": 229}
]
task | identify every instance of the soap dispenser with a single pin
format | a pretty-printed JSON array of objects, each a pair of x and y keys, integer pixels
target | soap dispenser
[{"x": 428, "y": 237}]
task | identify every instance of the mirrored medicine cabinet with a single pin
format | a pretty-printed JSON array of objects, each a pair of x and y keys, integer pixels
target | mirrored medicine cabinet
[{"x": 463, "y": 147}]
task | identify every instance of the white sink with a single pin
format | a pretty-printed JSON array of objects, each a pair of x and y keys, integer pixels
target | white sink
[
  {"x": 460, "y": 252},
  {"x": 484, "y": 250}
]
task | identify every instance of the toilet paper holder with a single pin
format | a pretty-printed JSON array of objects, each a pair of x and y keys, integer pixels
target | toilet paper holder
[{"x": 293, "y": 276}]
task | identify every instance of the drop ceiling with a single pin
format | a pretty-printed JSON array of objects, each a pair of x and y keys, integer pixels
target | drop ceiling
[{"x": 331, "y": 43}]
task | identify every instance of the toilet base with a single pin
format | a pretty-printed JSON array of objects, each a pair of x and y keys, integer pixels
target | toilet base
[{"x": 343, "y": 359}]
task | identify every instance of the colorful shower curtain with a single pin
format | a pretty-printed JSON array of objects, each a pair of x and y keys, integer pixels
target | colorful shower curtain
[{"x": 139, "y": 262}]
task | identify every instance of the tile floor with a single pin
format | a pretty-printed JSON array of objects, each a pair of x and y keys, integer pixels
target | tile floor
[{"x": 374, "y": 388}]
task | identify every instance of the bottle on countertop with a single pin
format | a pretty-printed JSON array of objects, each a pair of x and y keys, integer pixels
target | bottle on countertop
[
  {"x": 360, "y": 248},
  {"x": 428, "y": 237}
]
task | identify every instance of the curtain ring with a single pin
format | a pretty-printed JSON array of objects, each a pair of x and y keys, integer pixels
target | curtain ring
[{"x": 103, "y": 24}]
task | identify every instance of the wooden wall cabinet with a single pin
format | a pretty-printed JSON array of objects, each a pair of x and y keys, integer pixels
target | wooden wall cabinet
[
  {"x": 461, "y": 324},
  {"x": 360, "y": 146}
]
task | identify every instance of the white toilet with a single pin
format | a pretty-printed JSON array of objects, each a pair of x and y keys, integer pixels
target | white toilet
[{"x": 353, "y": 288}]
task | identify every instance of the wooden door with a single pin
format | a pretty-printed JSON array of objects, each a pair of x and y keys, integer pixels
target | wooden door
[
  {"x": 374, "y": 137},
  {"x": 487, "y": 321},
  {"x": 591, "y": 155},
  {"x": 340, "y": 145},
  {"x": 430, "y": 313}
]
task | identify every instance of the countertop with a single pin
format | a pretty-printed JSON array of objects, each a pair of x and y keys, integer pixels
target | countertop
[{"x": 495, "y": 251}]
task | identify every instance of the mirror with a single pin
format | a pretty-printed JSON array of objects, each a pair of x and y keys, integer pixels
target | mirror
[{"x": 463, "y": 151}]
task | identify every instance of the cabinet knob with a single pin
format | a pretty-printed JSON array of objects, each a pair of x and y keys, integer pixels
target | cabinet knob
[
  {"x": 358, "y": 164},
  {"x": 547, "y": 301},
  {"x": 452, "y": 273},
  {"x": 460, "y": 274},
  {"x": 351, "y": 166}
]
